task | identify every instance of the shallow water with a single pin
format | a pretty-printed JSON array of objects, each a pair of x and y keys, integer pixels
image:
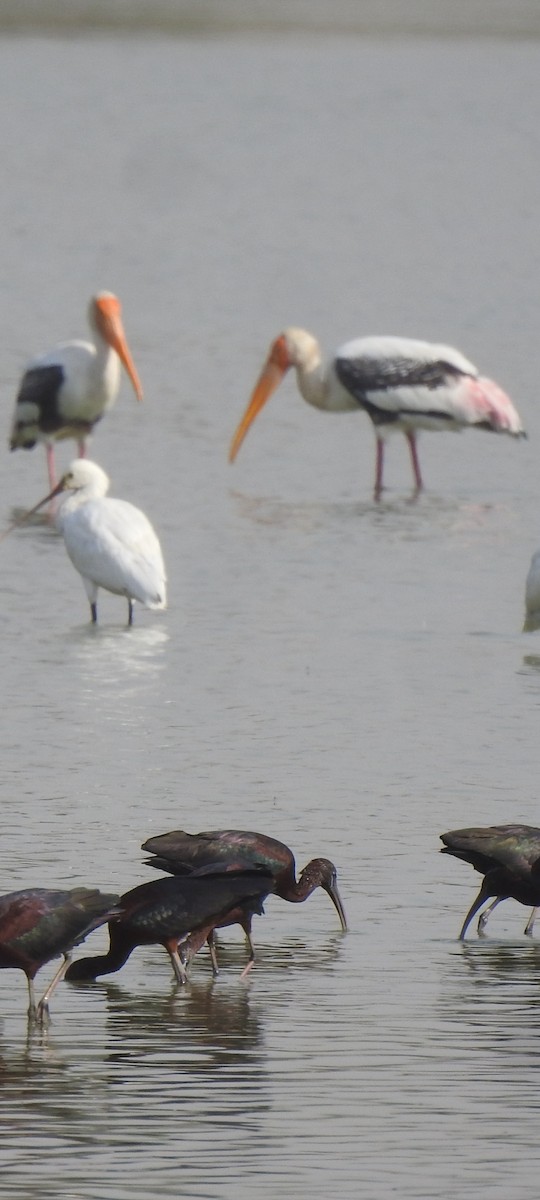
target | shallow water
[{"x": 346, "y": 676}]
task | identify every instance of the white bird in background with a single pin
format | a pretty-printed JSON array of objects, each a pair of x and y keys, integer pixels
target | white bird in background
[
  {"x": 110, "y": 542},
  {"x": 532, "y": 595},
  {"x": 403, "y": 385},
  {"x": 66, "y": 391}
]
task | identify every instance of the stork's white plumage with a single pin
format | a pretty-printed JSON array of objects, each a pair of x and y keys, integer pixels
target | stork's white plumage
[
  {"x": 110, "y": 542},
  {"x": 404, "y": 385},
  {"x": 66, "y": 391}
]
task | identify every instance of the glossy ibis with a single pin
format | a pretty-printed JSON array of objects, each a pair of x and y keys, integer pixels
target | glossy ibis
[
  {"x": 39, "y": 924},
  {"x": 110, "y": 542},
  {"x": 509, "y": 858},
  {"x": 403, "y": 386},
  {"x": 168, "y": 911},
  {"x": 234, "y": 849},
  {"x": 66, "y": 391}
]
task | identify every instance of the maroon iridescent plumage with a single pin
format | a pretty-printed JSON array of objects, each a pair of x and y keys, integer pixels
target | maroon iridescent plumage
[
  {"x": 166, "y": 911},
  {"x": 39, "y": 924},
  {"x": 508, "y": 856},
  {"x": 210, "y": 851}
]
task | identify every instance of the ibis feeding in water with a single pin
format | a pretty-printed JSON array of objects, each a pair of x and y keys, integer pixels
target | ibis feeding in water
[
  {"x": 166, "y": 911},
  {"x": 39, "y": 924},
  {"x": 508, "y": 856},
  {"x": 66, "y": 391},
  {"x": 220, "y": 850},
  {"x": 403, "y": 385}
]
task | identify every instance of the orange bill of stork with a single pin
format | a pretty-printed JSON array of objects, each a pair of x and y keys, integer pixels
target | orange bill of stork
[
  {"x": 403, "y": 385},
  {"x": 66, "y": 391}
]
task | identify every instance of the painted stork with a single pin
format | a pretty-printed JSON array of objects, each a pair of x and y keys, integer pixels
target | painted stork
[
  {"x": 403, "y": 385},
  {"x": 65, "y": 392}
]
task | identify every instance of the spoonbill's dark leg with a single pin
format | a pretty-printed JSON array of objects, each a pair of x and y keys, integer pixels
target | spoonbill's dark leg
[
  {"x": 483, "y": 895},
  {"x": 43, "y": 1006},
  {"x": 379, "y": 467},
  {"x": 483, "y": 918},
  {"x": 530, "y": 923},
  {"x": 130, "y": 611},
  {"x": 411, "y": 438},
  {"x": 93, "y": 610}
]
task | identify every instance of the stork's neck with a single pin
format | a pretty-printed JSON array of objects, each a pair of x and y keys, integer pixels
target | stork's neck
[
  {"x": 311, "y": 375},
  {"x": 313, "y": 384}
]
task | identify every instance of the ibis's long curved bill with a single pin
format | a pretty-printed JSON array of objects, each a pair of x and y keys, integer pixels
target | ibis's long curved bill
[
  {"x": 269, "y": 379},
  {"x": 60, "y": 487},
  {"x": 336, "y": 901},
  {"x": 111, "y": 328}
]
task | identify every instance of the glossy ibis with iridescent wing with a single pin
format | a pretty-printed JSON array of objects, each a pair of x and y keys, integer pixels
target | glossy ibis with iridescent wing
[
  {"x": 166, "y": 911},
  {"x": 181, "y": 853},
  {"x": 39, "y": 924},
  {"x": 508, "y": 856}
]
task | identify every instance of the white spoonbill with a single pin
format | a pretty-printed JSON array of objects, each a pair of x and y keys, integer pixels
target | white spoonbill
[
  {"x": 66, "y": 391},
  {"x": 110, "y": 542},
  {"x": 402, "y": 384}
]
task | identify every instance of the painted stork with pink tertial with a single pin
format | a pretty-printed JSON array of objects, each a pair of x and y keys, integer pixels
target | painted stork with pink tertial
[
  {"x": 402, "y": 384},
  {"x": 66, "y": 391}
]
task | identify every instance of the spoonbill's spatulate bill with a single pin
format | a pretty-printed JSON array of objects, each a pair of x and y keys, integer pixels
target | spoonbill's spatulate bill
[
  {"x": 39, "y": 924},
  {"x": 402, "y": 384},
  {"x": 233, "y": 849},
  {"x": 110, "y": 542},
  {"x": 508, "y": 856},
  {"x": 165, "y": 912},
  {"x": 66, "y": 391}
]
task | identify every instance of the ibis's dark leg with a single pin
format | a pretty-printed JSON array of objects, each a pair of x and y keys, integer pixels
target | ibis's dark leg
[
  {"x": 530, "y": 923},
  {"x": 411, "y": 438},
  {"x": 177, "y": 964},
  {"x": 93, "y": 610},
  {"x": 32, "y": 1006},
  {"x": 483, "y": 918},
  {"x": 484, "y": 894},
  {"x": 210, "y": 941},
  {"x": 130, "y": 611},
  {"x": 251, "y": 948},
  {"x": 43, "y": 1006}
]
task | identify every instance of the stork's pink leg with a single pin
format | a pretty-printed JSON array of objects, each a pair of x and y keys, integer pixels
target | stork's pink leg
[
  {"x": 81, "y": 448},
  {"x": 51, "y": 468},
  {"x": 411, "y": 438},
  {"x": 379, "y": 467}
]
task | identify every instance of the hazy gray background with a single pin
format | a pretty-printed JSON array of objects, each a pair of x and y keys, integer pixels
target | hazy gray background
[{"x": 349, "y": 677}]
